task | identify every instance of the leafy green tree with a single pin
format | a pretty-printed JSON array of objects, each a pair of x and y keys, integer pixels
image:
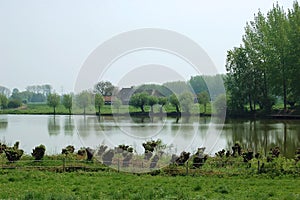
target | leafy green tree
[
  {"x": 53, "y": 101},
  {"x": 83, "y": 100},
  {"x": 68, "y": 102},
  {"x": 99, "y": 102},
  {"x": 117, "y": 104},
  {"x": 139, "y": 100},
  {"x": 198, "y": 84},
  {"x": 186, "y": 101},
  {"x": 203, "y": 98},
  {"x": 162, "y": 101},
  {"x": 174, "y": 101},
  {"x": 3, "y": 101},
  {"x": 178, "y": 87},
  {"x": 152, "y": 100},
  {"x": 105, "y": 88},
  {"x": 5, "y": 91},
  {"x": 294, "y": 48},
  {"x": 219, "y": 105}
]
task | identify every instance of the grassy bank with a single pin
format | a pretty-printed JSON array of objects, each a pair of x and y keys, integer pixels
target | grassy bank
[
  {"x": 106, "y": 109},
  {"x": 18, "y": 184}
]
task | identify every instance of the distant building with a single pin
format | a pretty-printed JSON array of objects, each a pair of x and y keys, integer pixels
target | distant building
[
  {"x": 109, "y": 100},
  {"x": 125, "y": 94}
]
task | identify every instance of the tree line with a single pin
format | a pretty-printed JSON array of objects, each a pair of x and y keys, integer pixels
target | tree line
[
  {"x": 265, "y": 68},
  {"x": 181, "y": 94}
]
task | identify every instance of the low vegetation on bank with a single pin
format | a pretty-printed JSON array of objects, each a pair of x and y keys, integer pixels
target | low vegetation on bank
[{"x": 78, "y": 174}]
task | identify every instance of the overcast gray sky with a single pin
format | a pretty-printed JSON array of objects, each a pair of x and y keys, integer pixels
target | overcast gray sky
[{"x": 48, "y": 41}]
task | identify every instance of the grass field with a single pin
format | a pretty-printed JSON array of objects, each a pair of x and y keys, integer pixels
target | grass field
[
  {"x": 19, "y": 184},
  {"x": 106, "y": 109}
]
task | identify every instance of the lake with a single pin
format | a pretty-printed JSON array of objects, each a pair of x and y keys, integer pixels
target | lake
[{"x": 186, "y": 133}]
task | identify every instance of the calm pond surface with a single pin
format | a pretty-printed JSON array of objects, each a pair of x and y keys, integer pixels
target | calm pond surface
[{"x": 178, "y": 134}]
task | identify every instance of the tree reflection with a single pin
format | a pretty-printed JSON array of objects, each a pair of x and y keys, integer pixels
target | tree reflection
[
  {"x": 69, "y": 126},
  {"x": 3, "y": 124},
  {"x": 53, "y": 125},
  {"x": 262, "y": 135}
]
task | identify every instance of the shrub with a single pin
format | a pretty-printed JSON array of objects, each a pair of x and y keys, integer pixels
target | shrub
[
  {"x": 184, "y": 156},
  {"x": 14, "y": 103},
  {"x": 89, "y": 153},
  {"x": 199, "y": 158},
  {"x": 38, "y": 152},
  {"x": 68, "y": 150},
  {"x": 107, "y": 157},
  {"x": 2, "y": 148},
  {"x": 13, "y": 153},
  {"x": 81, "y": 152}
]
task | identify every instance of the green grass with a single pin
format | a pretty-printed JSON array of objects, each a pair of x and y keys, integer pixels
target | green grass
[
  {"x": 20, "y": 184},
  {"x": 106, "y": 109}
]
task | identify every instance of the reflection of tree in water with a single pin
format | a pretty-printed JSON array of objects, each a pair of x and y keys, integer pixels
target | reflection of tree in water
[
  {"x": 141, "y": 120},
  {"x": 261, "y": 135},
  {"x": 84, "y": 126},
  {"x": 290, "y": 140},
  {"x": 53, "y": 126},
  {"x": 69, "y": 126},
  {"x": 3, "y": 124}
]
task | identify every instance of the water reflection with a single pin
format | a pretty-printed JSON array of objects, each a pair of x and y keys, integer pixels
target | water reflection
[
  {"x": 69, "y": 126},
  {"x": 53, "y": 125},
  {"x": 262, "y": 135},
  {"x": 179, "y": 133},
  {"x": 3, "y": 124}
]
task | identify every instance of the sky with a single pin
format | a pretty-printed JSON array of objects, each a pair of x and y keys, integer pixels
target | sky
[{"x": 48, "y": 42}]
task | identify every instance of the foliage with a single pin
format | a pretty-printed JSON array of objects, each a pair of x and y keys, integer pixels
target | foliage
[
  {"x": 184, "y": 157},
  {"x": 198, "y": 84},
  {"x": 4, "y": 91},
  {"x": 152, "y": 145},
  {"x": 53, "y": 101},
  {"x": 13, "y": 153},
  {"x": 203, "y": 98},
  {"x": 199, "y": 158},
  {"x": 14, "y": 103},
  {"x": 117, "y": 104},
  {"x": 175, "y": 102},
  {"x": 186, "y": 101},
  {"x": 219, "y": 105},
  {"x": 39, "y": 152},
  {"x": 152, "y": 100},
  {"x": 68, "y": 102},
  {"x": 3, "y": 101},
  {"x": 178, "y": 87},
  {"x": 68, "y": 150},
  {"x": 89, "y": 153},
  {"x": 83, "y": 100},
  {"x": 105, "y": 88},
  {"x": 266, "y": 64},
  {"x": 162, "y": 101},
  {"x": 139, "y": 100},
  {"x": 99, "y": 102}
]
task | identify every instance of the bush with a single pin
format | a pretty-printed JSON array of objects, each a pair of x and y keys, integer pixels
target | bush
[
  {"x": 14, "y": 103},
  {"x": 68, "y": 150},
  {"x": 38, "y": 152},
  {"x": 13, "y": 153},
  {"x": 90, "y": 153},
  {"x": 2, "y": 148}
]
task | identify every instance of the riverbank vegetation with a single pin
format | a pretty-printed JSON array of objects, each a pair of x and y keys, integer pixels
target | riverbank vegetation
[
  {"x": 73, "y": 174},
  {"x": 263, "y": 71}
]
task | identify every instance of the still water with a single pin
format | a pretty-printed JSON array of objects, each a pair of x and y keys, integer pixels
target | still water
[{"x": 178, "y": 134}]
